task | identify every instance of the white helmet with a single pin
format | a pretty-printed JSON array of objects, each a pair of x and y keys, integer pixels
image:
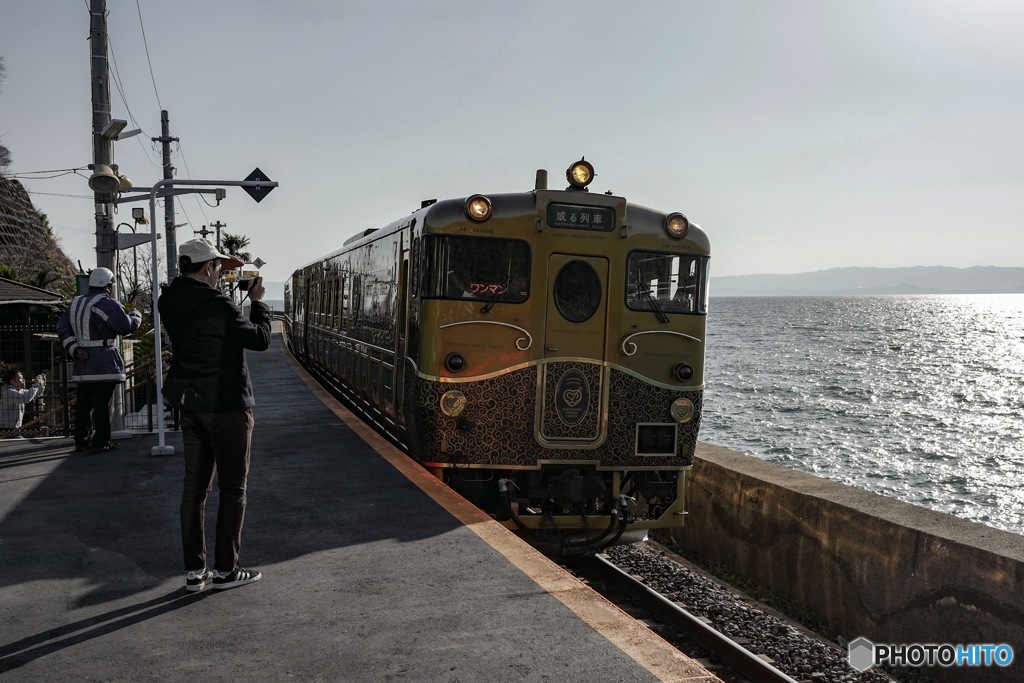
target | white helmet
[{"x": 100, "y": 277}]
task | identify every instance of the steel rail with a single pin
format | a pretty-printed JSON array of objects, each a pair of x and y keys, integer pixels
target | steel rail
[{"x": 731, "y": 653}]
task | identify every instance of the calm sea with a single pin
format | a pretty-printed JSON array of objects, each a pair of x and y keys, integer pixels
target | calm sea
[{"x": 919, "y": 398}]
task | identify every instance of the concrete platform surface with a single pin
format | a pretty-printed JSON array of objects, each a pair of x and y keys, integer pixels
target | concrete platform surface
[{"x": 372, "y": 569}]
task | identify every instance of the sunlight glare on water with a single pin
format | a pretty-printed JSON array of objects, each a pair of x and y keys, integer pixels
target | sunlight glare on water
[{"x": 920, "y": 398}]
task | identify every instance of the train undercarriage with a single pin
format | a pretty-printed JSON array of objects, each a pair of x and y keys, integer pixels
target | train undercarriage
[{"x": 573, "y": 509}]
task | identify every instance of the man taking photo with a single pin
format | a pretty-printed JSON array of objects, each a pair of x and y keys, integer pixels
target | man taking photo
[{"x": 209, "y": 381}]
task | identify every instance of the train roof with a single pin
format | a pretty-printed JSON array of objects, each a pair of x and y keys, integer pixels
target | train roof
[{"x": 455, "y": 206}]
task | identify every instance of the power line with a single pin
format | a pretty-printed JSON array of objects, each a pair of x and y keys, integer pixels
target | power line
[
  {"x": 183, "y": 211},
  {"x": 117, "y": 82},
  {"x": 42, "y": 175},
  {"x": 120, "y": 89},
  {"x": 148, "y": 60},
  {"x": 188, "y": 174},
  {"x": 58, "y": 194}
]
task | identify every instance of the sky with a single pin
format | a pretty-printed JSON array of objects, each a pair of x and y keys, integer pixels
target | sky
[{"x": 800, "y": 135}]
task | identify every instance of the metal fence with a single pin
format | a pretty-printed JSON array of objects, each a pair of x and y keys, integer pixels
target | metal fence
[{"x": 35, "y": 349}]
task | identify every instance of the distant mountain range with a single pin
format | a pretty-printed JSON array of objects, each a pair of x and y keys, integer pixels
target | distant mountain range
[{"x": 854, "y": 281}]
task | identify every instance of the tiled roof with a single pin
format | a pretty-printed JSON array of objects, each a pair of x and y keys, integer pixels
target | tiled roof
[{"x": 12, "y": 292}]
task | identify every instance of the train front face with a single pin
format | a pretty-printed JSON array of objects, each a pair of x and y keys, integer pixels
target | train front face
[{"x": 560, "y": 360}]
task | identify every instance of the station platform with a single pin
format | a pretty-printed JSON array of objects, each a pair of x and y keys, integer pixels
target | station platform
[{"x": 373, "y": 570}]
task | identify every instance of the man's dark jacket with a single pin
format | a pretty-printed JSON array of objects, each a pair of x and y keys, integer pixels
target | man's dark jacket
[{"x": 209, "y": 335}]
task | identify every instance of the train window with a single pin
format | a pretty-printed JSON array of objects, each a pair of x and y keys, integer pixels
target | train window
[
  {"x": 330, "y": 302},
  {"x": 356, "y": 301},
  {"x": 577, "y": 291},
  {"x": 475, "y": 268},
  {"x": 342, "y": 303},
  {"x": 666, "y": 283},
  {"x": 335, "y": 302},
  {"x": 414, "y": 264},
  {"x": 315, "y": 306}
]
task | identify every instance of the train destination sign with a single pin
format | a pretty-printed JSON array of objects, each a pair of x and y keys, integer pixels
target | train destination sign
[{"x": 596, "y": 218}]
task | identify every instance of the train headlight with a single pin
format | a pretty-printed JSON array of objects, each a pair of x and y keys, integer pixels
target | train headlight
[
  {"x": 682, "y": 410},
  {"x": 682, "y": 372},
  {"x": 454, "y": 362},
  {"x": 453, "y": 403},
  {"x": 580, "y": 174},
  {"x": 478, "y": 208},
  {"x": 676, "y": 225}
]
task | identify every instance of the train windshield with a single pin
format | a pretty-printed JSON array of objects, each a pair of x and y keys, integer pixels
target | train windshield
[
  {"x": 667, "y": 283},
  {"x": 476, "y": 268}
]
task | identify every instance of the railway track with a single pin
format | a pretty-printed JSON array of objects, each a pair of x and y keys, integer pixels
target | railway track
[
  {"x": 732, "y": 638},
  {"x": 721, "y": 655}
]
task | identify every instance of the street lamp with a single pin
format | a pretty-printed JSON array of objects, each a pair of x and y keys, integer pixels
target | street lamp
[
  {"x": 123, "y": 242},
  {"x": 135, "y": 261},
  {"x": 139, "y": 216},
  {"x": 106, "y": 178},
  {"x": 113, "y": 129}
]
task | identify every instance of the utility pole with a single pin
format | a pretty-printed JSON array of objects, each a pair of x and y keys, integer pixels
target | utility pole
[
  {"x": 172, "y": 246},
  {"x": 102, "y": 147},
  {"x": 206, "y": 232},
  {"x": 219, "y": 225}
]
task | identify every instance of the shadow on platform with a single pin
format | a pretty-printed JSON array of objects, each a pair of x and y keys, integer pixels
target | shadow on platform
[{"x": 111, "y": 519}]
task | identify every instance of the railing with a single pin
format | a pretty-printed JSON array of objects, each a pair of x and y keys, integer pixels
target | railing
[
  {"x": 138, "y": 395},
  {"x": 35, "y": 349}
]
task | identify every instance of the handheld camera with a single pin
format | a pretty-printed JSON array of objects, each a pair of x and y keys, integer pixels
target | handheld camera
[{"x": 245, "y": 282}]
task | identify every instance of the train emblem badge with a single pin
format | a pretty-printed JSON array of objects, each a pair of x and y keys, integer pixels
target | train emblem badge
[{"x": 572, "y": 397}]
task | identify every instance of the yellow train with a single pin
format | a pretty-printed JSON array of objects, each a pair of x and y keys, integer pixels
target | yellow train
[{"x": 542, "y": 352}]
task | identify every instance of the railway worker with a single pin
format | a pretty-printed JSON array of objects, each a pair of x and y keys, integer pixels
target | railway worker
[
  {"x": 88, "y": 329},
  {"x": 14, "y": 396},
  {"x": 209, "y": 381}
]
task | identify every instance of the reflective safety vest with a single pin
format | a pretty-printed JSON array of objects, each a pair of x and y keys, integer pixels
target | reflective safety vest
[{"x": 93, "y": 322}]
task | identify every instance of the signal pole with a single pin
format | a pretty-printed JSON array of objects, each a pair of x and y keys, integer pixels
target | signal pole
[
  {"x": 102, "y": 147},
  {"x": 172, "y": 246}
]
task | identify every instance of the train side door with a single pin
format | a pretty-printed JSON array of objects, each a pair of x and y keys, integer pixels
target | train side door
[
  {"x": 304, "y": 324},
  {"x": 401, "y": 339},
  {"x": 572, "y": 378}
]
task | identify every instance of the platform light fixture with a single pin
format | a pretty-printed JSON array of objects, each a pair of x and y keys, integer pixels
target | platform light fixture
[{"x": 113, "y": 129}]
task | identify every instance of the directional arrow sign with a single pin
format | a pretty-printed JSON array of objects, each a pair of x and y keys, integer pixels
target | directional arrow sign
[{"x": 258, "y": 193}]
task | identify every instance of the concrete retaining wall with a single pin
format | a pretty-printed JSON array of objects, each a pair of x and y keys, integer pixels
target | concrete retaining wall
[{"x": 867, "y": 565}]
